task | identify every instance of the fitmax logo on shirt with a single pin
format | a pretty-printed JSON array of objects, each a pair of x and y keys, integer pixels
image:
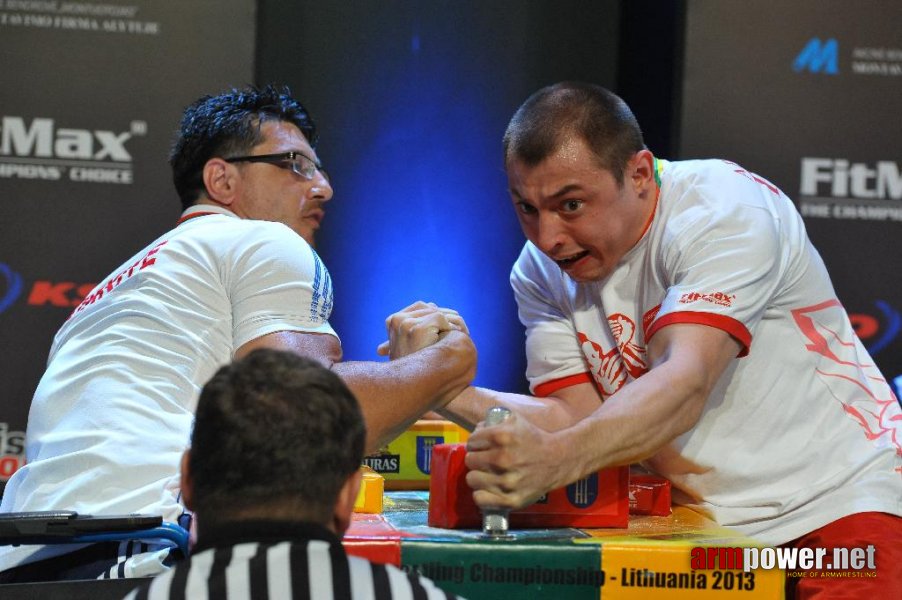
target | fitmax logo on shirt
[{"x": 818, "y": 57}]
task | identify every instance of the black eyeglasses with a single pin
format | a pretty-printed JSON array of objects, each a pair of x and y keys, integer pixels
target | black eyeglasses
[{"x": 295, "y": 162}]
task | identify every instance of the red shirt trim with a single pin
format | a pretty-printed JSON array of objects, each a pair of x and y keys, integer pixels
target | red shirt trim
[
  {"x": 550, "y": 387},
  {"x": 728, "y": 324},
  {"x": 193, "y": 215}
]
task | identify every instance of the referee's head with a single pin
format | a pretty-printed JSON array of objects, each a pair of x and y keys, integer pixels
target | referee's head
[{"x": 276, "y": 436}]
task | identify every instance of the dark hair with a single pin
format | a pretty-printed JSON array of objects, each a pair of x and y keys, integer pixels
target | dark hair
[
  {"x": 601, "y": 118},
  {"x": 229, "y": 125},
  {"x": 274, "y": 429}
]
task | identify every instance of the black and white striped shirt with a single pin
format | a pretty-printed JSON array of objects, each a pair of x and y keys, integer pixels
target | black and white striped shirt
[{"x": 282, "y": 561}]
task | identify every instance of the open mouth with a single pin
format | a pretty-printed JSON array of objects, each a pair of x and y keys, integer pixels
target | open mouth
[{"x": 568, "y": 262}]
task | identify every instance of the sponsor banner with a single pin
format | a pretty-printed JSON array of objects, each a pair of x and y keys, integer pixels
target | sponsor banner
[
  {"x": 825, "y": 56},
  {"x": 406, "y": 461},
  {"x": 40, "y": 149},
  {"x": 837, "y": 188},
  {"x": 813, "y": 108},
  {"x": 92, "y": 93}
]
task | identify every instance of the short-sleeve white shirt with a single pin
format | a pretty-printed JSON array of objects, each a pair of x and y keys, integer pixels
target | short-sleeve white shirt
[
  {"x": 113, "y": 412},
  {"x": 802, "y": 428}
]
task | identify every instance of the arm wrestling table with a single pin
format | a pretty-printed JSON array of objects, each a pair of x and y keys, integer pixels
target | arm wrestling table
[
  {"x": 648, "y": 559},
  {"x": 636, "y": 555}
]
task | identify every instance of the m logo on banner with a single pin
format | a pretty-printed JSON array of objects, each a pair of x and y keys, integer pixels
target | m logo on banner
[{"x": 818, "y": 57}]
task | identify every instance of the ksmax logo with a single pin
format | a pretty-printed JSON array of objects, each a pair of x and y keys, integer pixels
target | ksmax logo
[
  {"x": 41, "y": 150},
  {"x": 63, "y": 294},
  {"x": 42, "y": 139},
  {"x": 66, "y": 294},
  {"x": 818, "y": 57}
]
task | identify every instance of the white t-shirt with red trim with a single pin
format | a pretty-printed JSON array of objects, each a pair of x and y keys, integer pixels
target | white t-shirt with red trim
[
  {"x": 802, "y": 428},
  {"x": 113, "y": 412}
]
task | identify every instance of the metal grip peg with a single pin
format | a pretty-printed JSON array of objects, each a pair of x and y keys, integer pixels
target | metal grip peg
[
  {"x": 496, "y": 415},
  {"x": 495, "y": 520}
]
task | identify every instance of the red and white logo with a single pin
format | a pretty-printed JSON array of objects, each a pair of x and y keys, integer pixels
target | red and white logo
[
  {"x": 610, "y": 368},
  {"x": 874, "y": 405},
  {"x": 718, "y": 298}
]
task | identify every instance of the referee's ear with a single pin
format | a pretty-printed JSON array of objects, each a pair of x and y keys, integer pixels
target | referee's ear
[
  {"x": 186, "y": 481},
  {"x": 344, "y": 503}
]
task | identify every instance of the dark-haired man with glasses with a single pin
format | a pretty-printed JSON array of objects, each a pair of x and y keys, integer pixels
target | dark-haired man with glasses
[{"x": 114, "y": 409}]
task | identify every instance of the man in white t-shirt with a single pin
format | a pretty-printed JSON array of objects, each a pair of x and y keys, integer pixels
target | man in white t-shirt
[
  {"x": 677, "y": 315},
  {"x": 113, "y": 411}
]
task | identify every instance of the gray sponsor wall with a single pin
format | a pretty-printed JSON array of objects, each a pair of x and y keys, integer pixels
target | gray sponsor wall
[
  {"x": 90, "y": 94},
  {"x": 808, "y": 94}
]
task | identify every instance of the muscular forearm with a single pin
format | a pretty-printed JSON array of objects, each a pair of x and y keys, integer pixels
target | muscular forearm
[
  {"x": 631, "y": 426},
  {"x": 391, "y": 394},
  {"x": 650, "y": 412},
  {"x": 551, "y": 414},
  {"x": 394, "y": 394},
  {"x": 582, "y": 436}
]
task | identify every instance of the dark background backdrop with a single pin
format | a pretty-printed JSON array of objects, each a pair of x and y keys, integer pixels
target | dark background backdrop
[{"x": 412, "y": 99}]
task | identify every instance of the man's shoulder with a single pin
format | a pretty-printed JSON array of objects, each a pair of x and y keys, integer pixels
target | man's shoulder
[
  {"x": 222, "y": 225},
  {"x": 228, "y": 236},
  {"x": 683, "y": 173},
  {"x": 699, "y": 190},
  {"x": 532, "y": 263},
  {"x": 720, "y": 178}
]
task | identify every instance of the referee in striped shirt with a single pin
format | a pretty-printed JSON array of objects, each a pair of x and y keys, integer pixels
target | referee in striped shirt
[{"x": 272, "y": 475}]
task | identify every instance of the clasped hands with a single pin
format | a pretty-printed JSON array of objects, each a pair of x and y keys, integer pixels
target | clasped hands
[
  {"x": 510, "y": 463},
  {"x": 419, "y": 325}
]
